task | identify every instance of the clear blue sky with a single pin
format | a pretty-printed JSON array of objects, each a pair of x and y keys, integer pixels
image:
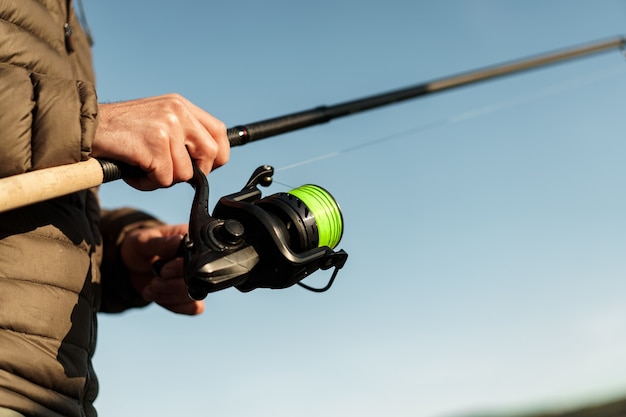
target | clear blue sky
[{"x": 485, "y": 225}]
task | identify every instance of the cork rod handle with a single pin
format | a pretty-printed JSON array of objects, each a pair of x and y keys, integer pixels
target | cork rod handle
[{"x": 36, "y": 186}]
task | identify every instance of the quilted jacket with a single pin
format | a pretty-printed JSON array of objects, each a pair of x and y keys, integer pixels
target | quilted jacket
[{"x": 52, "y": 279}]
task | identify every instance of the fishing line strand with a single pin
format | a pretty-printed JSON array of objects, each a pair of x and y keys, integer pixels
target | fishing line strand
[{"x": 547, "y": 92}]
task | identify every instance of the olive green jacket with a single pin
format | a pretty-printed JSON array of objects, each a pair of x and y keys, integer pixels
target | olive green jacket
[{"x": 52, "y": 279}]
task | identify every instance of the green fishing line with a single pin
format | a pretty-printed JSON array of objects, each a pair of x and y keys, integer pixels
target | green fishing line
[{"x": 326, "y": 212}]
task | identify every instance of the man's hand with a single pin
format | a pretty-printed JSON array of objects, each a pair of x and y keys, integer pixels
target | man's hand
[
  {"x": 140, "y": 249},
  {"x": 159, "y": 134}
]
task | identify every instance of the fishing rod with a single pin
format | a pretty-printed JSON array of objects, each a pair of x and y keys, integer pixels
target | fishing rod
[
  {"x": 31, "y": 187},
  {"x": 240, "y": 135},
  {"x": 252, "y": 241}
]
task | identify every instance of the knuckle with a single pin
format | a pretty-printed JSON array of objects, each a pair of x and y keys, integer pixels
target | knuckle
[
  {"x": 184, "y": 174},
  {"x": 176, "y": 103},
  {"x": 171, "y": 120},
  {"x": 163, "y": 177},
  {"x": 174, "y": 97},
  {"x": 162, "y": 132},
  {"x": 221, "y": 126}
]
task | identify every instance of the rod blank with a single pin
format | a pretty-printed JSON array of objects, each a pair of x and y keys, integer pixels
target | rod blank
[{"x": 240, "y": 135}]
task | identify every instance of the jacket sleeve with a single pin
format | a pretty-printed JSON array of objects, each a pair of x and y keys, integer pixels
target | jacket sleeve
[
  {"x": 45, "y": 120},
  {"x": 117, "y": 293}
]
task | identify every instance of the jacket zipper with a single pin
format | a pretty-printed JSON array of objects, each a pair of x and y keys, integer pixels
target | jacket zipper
[
  {"x": 67, "y": 28},
  {"x": 68, "y": 31}
]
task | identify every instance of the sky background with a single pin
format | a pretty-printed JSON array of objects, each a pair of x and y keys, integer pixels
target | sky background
[{"x": 485, "y": 225}]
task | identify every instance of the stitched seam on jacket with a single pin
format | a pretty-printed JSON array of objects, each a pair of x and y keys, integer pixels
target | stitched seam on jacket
[
  {"x": 41, "y": 336},
  {"x": 43, "y": 284},
  {"x": 19, "y": 26},
  {"x": 66, "y": 243}
]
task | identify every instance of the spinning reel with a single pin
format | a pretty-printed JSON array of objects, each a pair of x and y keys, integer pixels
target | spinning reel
[{"x": 252, "y": 242}]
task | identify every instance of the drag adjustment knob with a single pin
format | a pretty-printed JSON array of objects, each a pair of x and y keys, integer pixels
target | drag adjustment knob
[{"x": 231, "y": 232}]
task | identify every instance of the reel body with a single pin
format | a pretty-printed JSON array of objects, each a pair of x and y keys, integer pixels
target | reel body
[{"x": 252, "y": 242}]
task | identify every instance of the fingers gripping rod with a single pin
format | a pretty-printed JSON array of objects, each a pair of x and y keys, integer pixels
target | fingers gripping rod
[{"x": 20, "y": 190}]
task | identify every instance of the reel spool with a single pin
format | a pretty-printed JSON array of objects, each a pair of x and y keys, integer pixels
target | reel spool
[{"x": 311, "y": 215}]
